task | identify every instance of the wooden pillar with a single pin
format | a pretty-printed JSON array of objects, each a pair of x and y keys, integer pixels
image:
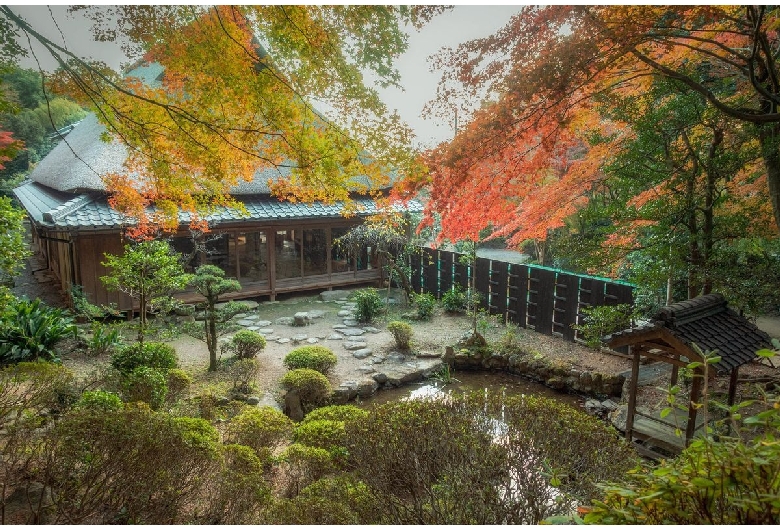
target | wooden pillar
[
  {"x": 271, "y": 242},
  {"x": 690, "y": 429},
  {"x": 329, "y": 253},
  {"x": 675, "y": 373},
  {"x": 632, "y": 394},
  {"x": 733, "y": 385}
]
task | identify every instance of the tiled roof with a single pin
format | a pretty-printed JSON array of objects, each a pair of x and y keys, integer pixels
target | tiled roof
[
  {"x": 708, "y": 322},
  {"x": 91, "y": 211}
]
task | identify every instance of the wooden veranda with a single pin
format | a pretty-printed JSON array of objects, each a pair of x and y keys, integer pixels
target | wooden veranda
[{"x": 680, "y": 334}]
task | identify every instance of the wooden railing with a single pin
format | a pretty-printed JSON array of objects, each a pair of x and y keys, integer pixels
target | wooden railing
[{"x": 531, "y": 296}]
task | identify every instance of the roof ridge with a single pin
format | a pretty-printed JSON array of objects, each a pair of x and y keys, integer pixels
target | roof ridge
[
  {"x": 688, "y": 310},
  {"x": 67, "y": 208}
]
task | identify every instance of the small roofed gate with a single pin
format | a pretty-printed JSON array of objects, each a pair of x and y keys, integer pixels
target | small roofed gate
[{"x": 550, "y": 301}]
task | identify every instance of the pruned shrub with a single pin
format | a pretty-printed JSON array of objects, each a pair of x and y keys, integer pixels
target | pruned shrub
[
  {"x": 402, "y": 333},
  {"x": 368, "y": 304},
  {"x": 325, "y": 434},
  {"x": 454, "y": 301},
  {"x": 425, "y": 304},
  {"x": 245, "y": 344},
  {"x": 157, "y": 355},
  {"x": 99, "y": 401},
  {"x": 242, "y": 372},
  {"x": 179, "y": 382},
  {"x": 312, "y": 387},
  {"x": 261, "y": 428},
  {"x": 145, "y": 384},
  {"x": 339, "y": 500},
  {"x": 314, "y": 357},
  {"x": 302, "y": 465},
  {"x": 336, "y": 413}
]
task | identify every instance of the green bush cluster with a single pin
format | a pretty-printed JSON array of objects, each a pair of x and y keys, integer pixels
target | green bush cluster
[
  {"x": 325, "y": 434},
  {"x": 402, "y": 333},
  {"x": 178, "y": 382},
  {"x": 313, "y": 388},
  {"x": 245, "y": 344},
  {"x": 454, "y": 301},
  {"x": 261, "y": 428},
  {"x": 145, "y": 384},
  {"x": 156, "y": 355},
  {"x": 425, "y": 304},
  {"x": 29, "y": 331},
  {"x": 104, "y": 338},
  {"x": 314, "y": 357},
  {"x": 368, "y": 304},
  {"x": 337, "y": 413},
  {"x": 99, "y": 401}
]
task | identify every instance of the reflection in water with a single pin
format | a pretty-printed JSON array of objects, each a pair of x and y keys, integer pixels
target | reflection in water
[{"x": 470, "y": 382}]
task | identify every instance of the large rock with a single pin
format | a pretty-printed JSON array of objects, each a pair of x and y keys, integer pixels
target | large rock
[
  {"x": 619, "y": 417},
  {"x": 367, "y": 388},
  {"x": 301, "y": 318},
  {"x": 331, "y": 296},
  {"x": 353, "y": 345},
  {"x": 362, "y": 354},
  {"x": 292, "y": 406},
  {"x": 380, "y": 378},
  {"x": 284, "y": 321}
]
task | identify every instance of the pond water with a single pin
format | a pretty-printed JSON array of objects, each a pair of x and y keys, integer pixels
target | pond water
[{"x": 470, "y": 382}]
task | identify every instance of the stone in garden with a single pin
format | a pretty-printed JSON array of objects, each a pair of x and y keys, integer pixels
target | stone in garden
[
  {"x": 316, "y": 313},
  {"x": 335, "y": 336},
  {"x": 350, "y": 322},
  {"x": 379, "y": 359},
  {"x": 285, "y": 321},
  {"x": 371, "y": 329},
  {"x": 366, "y": 369},
  {"x": 250, "y": 317},
  {"x": 352, "y": 332},
  {"x": 367, "y": 387},
  {"x": 331, "y": 296},
  {"x": 344, "y": 313},
  {"x": 397, "y": 357},
  {"x": 283, "y": 340},
  {"x": 362, "y": 354},
  {"x": 380, "y": 377},
  {"x": 263, "y": 323},
  {"x": 265, "y": 331},
  {"x": 312, "y": 340},
  {"x": 272, "y": 338},
  {"x": 245, "y": 322},
  {"x": 339, "y": 326},
  {"x": 253, "y": 400},
  {"x": 300, "y": 338},
  {"x": 353, "y": 345},
  {"x": 252, "y": 328},
  {"x": 609, "y": 405},
  {"x": 593, "y": 407},
  {"x": 239, "y": 316},
  {"x": 301, "y": 318}
]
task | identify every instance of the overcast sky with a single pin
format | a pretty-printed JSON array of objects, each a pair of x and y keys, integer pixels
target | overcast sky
[{"x": 449, "y": 29}]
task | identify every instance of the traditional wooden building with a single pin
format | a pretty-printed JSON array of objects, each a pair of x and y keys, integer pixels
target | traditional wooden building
[
  {"x": 278, "y": 247},
  {"x": 678, "y": 335}
]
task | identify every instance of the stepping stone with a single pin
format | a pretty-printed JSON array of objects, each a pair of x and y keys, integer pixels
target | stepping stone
[
  {"x": 301, "y": 318},
  {"x": 350, "y": 322},
  {"x": 344, "y": 313},
  {"x": 240, "y": 316},
  {"x": 335, "y": 336},
  {"x": 252, "y": 328},
  {"x": 312, "y": 340},
  {"x": 299, "y": 338},
  {"x": 370, "y": 329},
  {"x": 245, "y": 322},
  {"x": 352, "y": 345},
  {"x": 272, "y": 338},
  {"x": 339, "y": 326},
  {"x": 265, "y": 331},
  {"x": 362, "y": 354},
  {"x": 316, "y": 313},
  {"x": 283, "y": 341},
  {"x": 351, "y": 332},
  {"x": 366, "y": 369},
  {"x": 263, "y": 323},
  {"x": 284, "y": 321},
  {"x": 251, "y": 317}
]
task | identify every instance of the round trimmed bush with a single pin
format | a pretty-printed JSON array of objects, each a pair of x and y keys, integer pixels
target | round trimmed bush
[
  {"x": 336, "y": 413},
  {"x": 178, "y": 383},
  {"x": 261, "y": 428},
  {"x": 312, "y": 387},
  {"x": 145, "y": 384},
  {"x": 325, "y": 434},
  {"x": 246, "y": 344},
  {"x": 157, "y": 355},
  {"x": 425, "y": 303},
  {"x": 368, "y": 304},
  {"x": 99, "y": 401},
  {"x": 315, "y": 357},
  {"x": 402, "y": 333}
]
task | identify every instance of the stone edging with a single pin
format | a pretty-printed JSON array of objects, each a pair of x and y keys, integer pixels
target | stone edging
[{"x": 554, "y": 375}]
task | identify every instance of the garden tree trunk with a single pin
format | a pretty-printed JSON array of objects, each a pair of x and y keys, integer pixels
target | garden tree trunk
[
  {"x": 708, "y": 227},
  {"x": 694, "y": 254},
  {"x": 394, "y": 267},
  {"x": 141, "y": 318},
  {"x": 768, "y": 137},
  {"x": 211, "y": 337}
]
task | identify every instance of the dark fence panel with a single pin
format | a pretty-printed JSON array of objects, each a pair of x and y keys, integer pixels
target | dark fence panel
[
  {"x": 567, "y": 293},
  {"x": 518, "y": 295},
  {"x": 499, "y": 274},
  {"x": 430, "y": 260},
  {"x": 415, "y": 279},
  {"x": 547, "y": 300},
  {"x": 446, "y": 260}
]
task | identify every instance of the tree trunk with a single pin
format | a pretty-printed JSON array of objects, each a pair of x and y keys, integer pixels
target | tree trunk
[
  {"x": 769, "y": 137},
  {"x": 708, "y": 226},
  {"x": 211, "y": 336}
]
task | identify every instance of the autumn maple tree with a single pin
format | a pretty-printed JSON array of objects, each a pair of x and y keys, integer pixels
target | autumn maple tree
[
  {"x": 524, "y": 163},
  {"x": 244, "y": 89}
]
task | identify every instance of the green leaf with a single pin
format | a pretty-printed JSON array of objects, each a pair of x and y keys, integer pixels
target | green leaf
[{"x": 665, "y": 412}]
